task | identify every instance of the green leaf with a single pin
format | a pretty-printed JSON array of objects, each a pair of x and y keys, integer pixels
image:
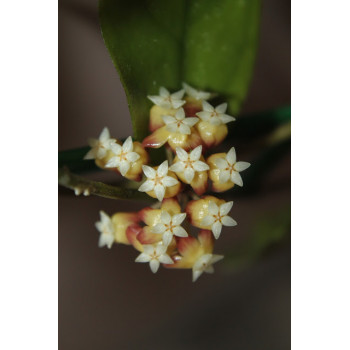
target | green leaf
[{"x": 208, "y": 44}]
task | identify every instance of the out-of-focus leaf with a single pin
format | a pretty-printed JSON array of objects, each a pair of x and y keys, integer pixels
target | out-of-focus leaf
[
  {"x": 208, "y": 44},
  {"x": 268, "y": 231},
  {"x": 258, "y": 124}
]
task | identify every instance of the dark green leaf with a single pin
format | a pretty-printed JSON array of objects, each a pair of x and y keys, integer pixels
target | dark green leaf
[{"x": 208, "y": 44}]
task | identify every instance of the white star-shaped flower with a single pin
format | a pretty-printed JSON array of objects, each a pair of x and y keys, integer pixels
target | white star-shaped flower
[
  {"x": 204, "y": 264},
  {"x": 179, "y": 124},
  {"x": 100, "y": 146},
  {"x": 170, "y": 226},
  {"x": 157, "y": 180},
  {"x": 189, "y": 163},
  {"x": 105, "y": 226},
  {"x": 217, "y": 217},
  {"x": 196, "y": 94},
  {"x": 154, "y": 254},
  {"x": 167, "y": 100},
  {"x": 215, "y": 116},
  {"x": 229, "y": 168},
  {"x": 124, "y": 156}
]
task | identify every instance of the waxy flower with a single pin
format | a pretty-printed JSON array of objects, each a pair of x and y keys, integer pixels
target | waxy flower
[
  {"x": 196, "y": 94},
  {"x": 217, "y": 217},
  {"x": 161, "y": 183},
  {"x": 113, "y": 229},
  {"x": 152, "y": 217},
  {"x": 190, "y": 169},
  {"x": 154, "y": 254},
  {"x": 204, "y": 264},
  {"x": 196, "y": 254},
  {"x": 170, "y": 226},
  {"x": 210, "y": 213},
  {"x": 177, "y": 130},
  {"x": 224, "y": 170},
  {"x": 106, "y": 229},
  {"x": 167, "y": 100},
  {"x": 212, "y": 127},
  {"x": 123, "y": 156},
  {"x": 100, "y": 147}
]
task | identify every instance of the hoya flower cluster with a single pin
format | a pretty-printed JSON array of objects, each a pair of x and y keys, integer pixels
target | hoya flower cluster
[{"x": 189, "y": 126}]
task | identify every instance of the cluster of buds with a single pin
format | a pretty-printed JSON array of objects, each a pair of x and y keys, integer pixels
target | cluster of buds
[{"x": 188, "y": 126}]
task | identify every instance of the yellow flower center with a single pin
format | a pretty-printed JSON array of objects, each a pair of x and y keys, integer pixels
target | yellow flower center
[{"x": 188, "y": 163}]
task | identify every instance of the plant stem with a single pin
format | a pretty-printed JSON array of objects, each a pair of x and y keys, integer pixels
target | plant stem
[{"x": 82, "y": 185}]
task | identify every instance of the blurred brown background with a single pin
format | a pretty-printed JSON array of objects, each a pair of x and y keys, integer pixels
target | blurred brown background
[{"x": 106, "y": 301}]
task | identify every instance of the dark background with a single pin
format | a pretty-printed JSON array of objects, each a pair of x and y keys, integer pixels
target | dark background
[{"x": 106, "y": 301}]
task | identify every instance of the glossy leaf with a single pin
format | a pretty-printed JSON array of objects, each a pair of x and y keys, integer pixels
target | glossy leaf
[{"x": 208, "y": 44}]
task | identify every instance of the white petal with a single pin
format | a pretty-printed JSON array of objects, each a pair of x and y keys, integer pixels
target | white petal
[
  {"x": 196, "y": 153},
  {"x": 190, "y": 121},
  {"x": 236, "y": 178},
  {"x": 181, "y": 153},
  {"x": 209, "y": 269},
  {"x": 142, "y": 258},
  {"x": 200, "y": 166},
  {"x": 213, "y": 208},
  {"x": 240, "y": 166},
  {"x": 169, "y": 181},
  {"x": 180, "y": 114},
  {"x": 215, "y": 120},
  {"x": 221, "y": 163},
  {"x": 115, "y": 148},
  {"x": 149, "y": 172},
  {"x": 104, "y": 217},
  {"x": 177, "y": 219},
  {"x": 228, "y": 221},
  {"x": 205, "y": 116},
  {"x": 159, "y": 228},
  {"x": 177, "y": 103},
  {"x": 147, "y": 186},
  {"x": 90, "y": 154},
  {"x": 113, "y": 163},
  {"x": 148, "y": 249},
  {"x": 215, "y": 258},
  {"x": 159, "y": 190},
  {"x": 167, "y": 119},
  {"x": 165, "y": 217},
  {"x": 154, "y": 265},
  {"x": 167, "y": 238},
  {"x": 225, "y": 208},
  {"x": 177, "y": 167},
  {"x": 161, "y": 249},
  {"x": 104, "y": 134},
  {"x": 207, "y": 107},
  {"x": 132, "y": 156},
  {"x": 216, "y": 229},
  {"x": 165, "y": 259},
  {"x": 106, "y": 240},
  {"x": 163, "y": 92},
  {"x": 196, "y": 274},
  {"x": 189, "y": 174},
  {"x": 207, "y": 221},
  {"x": 101, "y": 152},
  {"x": 221, "y": 108},
  {"x": 157, "y": 100},
  {"x": 178, "y": 95},
  {"x": 224, "y": 176},
  {"x": 173, "y": 128},
  {"x": 180, "y": 232},
  {"x": 184, "y": 129},
  {"x": 231, "y": 156},
  {"x": 163, "y": 169},
  {"x": 226, "y": 118},
  {"x": 124, "y": 167},
  {"x": 127, "y": 145}
]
